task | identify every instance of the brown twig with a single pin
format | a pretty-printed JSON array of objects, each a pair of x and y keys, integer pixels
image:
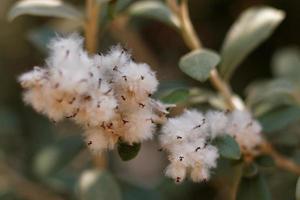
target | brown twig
[
  {"x": 91, "y": 37},
  {"x": 281, "y": 161},
  {"x": 92, "y": 25},
  {"x": 173, "y": 6},
  {"x": 191, "y": 39},
  {"x": 24, "y": 187},
  {"x": 229, "y": 183},
  {"x": 188, "y": 32},
  {"x": 193, "y": 42}
]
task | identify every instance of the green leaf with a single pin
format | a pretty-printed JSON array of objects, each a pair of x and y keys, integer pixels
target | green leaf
[
  {"x": 155, "y": 10},
  {"x": 279, "y": 118},
  {"x": 166, "y": 86},
  {"x": 251, "y": 29},
  {"x": 228, "y": 147},
  {"x": 253, "y": 188},
  {"x": 176, "y": 96},
  {"x": 9, "y": 122},
  {"x": 198, "y": 64},
  {"x": 98, "y": 185},
  {"x": 41, "y": 36},
  {"x": 102, "y": 1},
  {"x": 286, "y": 63},
  {"x": 265, "y": 161},
  {"x": 298, "y": 189},
  {"x": 49, "y": 8},
  {"x": 228, "y": 174},
  {"x": 275, "y": 91},
  {"x": 128, "y": 152},
  {"x": 54, "y": 157},
  {"x": 122, "y": 5},
  {"x": 136, "y": 191}
]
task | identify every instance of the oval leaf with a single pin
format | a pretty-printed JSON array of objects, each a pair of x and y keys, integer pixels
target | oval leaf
[
  {"x": 228, "y": 147},
  {"x": 279, "y": 118},
  {"x": 252, "y": 28},
  {"x": 98, "y": 185},
  {"x": 272, "y": 91},
  {"x": 50, "y": 8},
  {"x": 253, "y": 188},
  {"x": 55, "y": 156},
  {"x": 265, "y": 161},
  {"x": 176, "y": 96},
  {"x": 128, "y": 152},
  {"x": 198, "y": 64},
  {"x": 286, "y": 63},
  {"x": 155, "y": 10},
  {"x": 9, "y": 122}
]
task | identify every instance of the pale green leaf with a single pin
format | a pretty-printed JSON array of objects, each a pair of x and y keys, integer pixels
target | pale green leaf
[
  {"x": 253, "y": 188},
  {"x": 49, "y": 8},
  {"x": 122, "y": 5},
  {"x": 176, "y": 96},
  {"x": 9, "y": 122},
  {"x": 279, "y": 118},
  {"x": 251, "y": 29},
  {"x": 55, "y": 156},
  {"x": 155, "y": 10},
  {"x": 165, "y": 87},
  {"x": 228, "y": 147},
  {"x": 286, "y": 63},
  {"x": 98, "y": 185},
  {"x": 137, "y": 191},
  {"x": 272, "y": 91},
  {"x": 199, "y": 63}
]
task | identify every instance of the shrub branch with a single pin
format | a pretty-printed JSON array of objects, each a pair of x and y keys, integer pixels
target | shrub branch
[
  {"x": 91, "y": 37},
  {"x": 190, "y": 38}
]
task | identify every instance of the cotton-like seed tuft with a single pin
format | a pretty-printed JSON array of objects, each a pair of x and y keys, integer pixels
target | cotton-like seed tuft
[
  {"x": 107, "y": 94},
  {"x": 188, "y": 140},
  {"x": 245, "y": 129}
]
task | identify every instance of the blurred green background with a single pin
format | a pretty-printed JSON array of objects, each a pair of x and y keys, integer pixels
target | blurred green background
[{"x": 47, "y": 159}]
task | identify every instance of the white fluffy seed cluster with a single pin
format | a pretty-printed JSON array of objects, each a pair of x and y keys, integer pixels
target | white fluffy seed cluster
[
  {"x": 109, "y": 95},
  {"x": 187, "y": 140},
  {"x": 245, "y": 130}
]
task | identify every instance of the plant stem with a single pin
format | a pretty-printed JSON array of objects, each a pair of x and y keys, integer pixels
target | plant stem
[
  {"x": 91, "y": 37},
  {"x": 228, "y": 184},
  {"x": 92, "y": 25},
  {"x": 281, "y": 161},
  {"x": 187, "y": 30},
  {"x": 24, "y": 187},
  {"x": 193, "y": 42}
]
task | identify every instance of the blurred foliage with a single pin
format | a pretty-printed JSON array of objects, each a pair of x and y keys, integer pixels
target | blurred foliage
[{"x": 52, "y": 157}]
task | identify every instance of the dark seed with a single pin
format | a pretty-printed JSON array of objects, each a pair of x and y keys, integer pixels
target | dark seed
[
  {"x": 141, "y": 105},
  {"x": 125, "y": 121}
]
